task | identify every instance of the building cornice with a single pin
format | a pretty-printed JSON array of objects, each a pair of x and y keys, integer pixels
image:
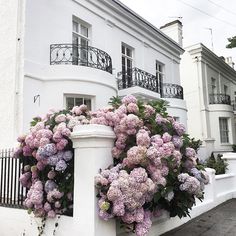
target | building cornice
[
  {"x": 140, "y": 25},
  {"x": 205, "y": 54}
]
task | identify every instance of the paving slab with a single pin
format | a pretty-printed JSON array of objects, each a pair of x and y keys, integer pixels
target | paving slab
[{"x": 220, "y": 221}]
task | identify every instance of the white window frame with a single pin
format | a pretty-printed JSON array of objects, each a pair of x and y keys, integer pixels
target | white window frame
[
  {"x": 80, "y": 52},
  {"x": 213, "y": 86},
  {"x": 127, "y": 72},
  {"x": 224, "y": 130},
  {"x": 160, "y": 74},
  {"x": 81, "y": 96},
  {"x": 124, "y": 55},
  {"x": 78, "y": 33},
  {"x": 225, "y": 87}
]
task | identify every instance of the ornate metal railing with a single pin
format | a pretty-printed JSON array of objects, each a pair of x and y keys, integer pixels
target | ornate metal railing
[
  {"x": 73, "y": 54},
  {"x": 219, "y": 99},
  {"x": 172, "y": 91},
  {"x": 138, "y": 77}
]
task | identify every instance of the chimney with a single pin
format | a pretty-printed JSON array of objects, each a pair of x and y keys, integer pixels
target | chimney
[
  {"x": 174, "y": 30},
  {"x": 229, "y": 61}
]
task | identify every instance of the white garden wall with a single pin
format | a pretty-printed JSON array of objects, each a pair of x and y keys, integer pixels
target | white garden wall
[{"x": 93, "y": 145}]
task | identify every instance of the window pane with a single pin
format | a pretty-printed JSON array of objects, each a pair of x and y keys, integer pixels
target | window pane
[
  {"x": 84, "y": 42},
  {"x": 78, "y": 101},
  {"x": 69, "y": 102},
  {"x": 84, "y": 31},
  {"x": 75, "y": 26},
  {"x": 225, "y": 89},
  {"x": 128, "y": 52},
  {"x": 224, "y": 132},
  {"x": 129, "y": 64},
  {"x": 75, "y": 39},
  {"x": 123, "y": 49},
  {"x": 87, "y": 102}
]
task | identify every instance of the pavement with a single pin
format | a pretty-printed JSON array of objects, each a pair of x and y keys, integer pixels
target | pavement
[{"x": 220, "y": 221}]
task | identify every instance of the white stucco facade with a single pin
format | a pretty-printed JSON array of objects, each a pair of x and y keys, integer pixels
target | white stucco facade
[
  {"x": 33, "y": 84},
  {"x": 209, "y": 89},
  {"x": 11, "y": 74}
]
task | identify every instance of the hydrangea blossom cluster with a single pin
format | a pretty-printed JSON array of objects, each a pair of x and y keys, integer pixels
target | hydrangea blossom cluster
[
  {"x": 47, "y": 155},
  {"x": 150, "y": 146},
  {"x": 126, "y": 195}
]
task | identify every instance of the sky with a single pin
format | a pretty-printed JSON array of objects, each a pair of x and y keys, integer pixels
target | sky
[{"x": 197, "y": 17}]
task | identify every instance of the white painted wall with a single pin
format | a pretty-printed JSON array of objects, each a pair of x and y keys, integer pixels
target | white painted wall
[
  {"x": 10, "y": 70},
  {"x": 225, "y": 111},
  {"x": 198, "y": 66},
  {"x": 54, "y": 82},
  {"x": 177, "y": 108},
  {"x": 108, "y": 31},
  {"x": 190, "y": 84},
  {"x": 27, "y": 61}
]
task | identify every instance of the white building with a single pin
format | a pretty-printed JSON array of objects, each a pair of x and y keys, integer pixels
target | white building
[
  {"x": 62, "y": 53},
  {"x": 209, "y": 84}
]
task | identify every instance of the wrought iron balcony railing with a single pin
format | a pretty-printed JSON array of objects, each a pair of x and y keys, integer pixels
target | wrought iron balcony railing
[
  {"x": 73, "y": 54},
  {"x": 172, "y": 91},
  {"x": 219, "y": 99},
  {"x": 137, "y": 77}
]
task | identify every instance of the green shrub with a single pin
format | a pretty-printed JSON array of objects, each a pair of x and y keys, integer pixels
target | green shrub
[
  {"x": 234, "y": 147},
  {"x": 217, "y": 163}
]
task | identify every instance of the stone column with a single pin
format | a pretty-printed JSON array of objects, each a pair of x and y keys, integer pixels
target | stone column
[{"x": 92, "y": 144}]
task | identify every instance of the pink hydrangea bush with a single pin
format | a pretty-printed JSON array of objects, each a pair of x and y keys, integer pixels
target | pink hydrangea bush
[
  {"x": 155, "y": 167},
  {"x": 155, "y": 164},
  {"x": 48, "y": 158}
]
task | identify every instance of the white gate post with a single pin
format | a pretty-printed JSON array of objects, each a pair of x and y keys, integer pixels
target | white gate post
[{"x": 92, "y": 144}]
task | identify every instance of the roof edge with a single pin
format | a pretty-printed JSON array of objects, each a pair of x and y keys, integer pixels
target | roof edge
[{"x": 130, "y": 11}]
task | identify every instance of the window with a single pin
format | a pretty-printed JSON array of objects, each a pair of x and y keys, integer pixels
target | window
[
  {"x": 213, "y": 86},
  {"x": 159, "y": 73},
  {"x": 224, "y": 131},
  {"x": 225, "y": 89},
  {"x": 127, "y": 64},
  {"x": 80, "y": 41},
  {"x": 72, "y": 101}
]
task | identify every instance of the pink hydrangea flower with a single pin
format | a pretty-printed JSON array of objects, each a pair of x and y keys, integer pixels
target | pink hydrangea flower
[{"x": 129, "y": 99}]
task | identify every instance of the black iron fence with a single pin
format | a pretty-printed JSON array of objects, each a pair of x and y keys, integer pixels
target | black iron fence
[
  {"x": 219, "y": 99},
  {"x": 74, "y": 54},
  {"x": 12, "y": 193},
  {"x": 172, "y": 91},
  {"x": 137, "y": 77}
]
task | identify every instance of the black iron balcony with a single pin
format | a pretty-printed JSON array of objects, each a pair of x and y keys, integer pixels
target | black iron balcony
[
  {"x": 136, "y": 77},
  {"x": 219, "y": 99},
  {"x": 73, "y": 54},
  {"x": 172, "y": 91}
]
